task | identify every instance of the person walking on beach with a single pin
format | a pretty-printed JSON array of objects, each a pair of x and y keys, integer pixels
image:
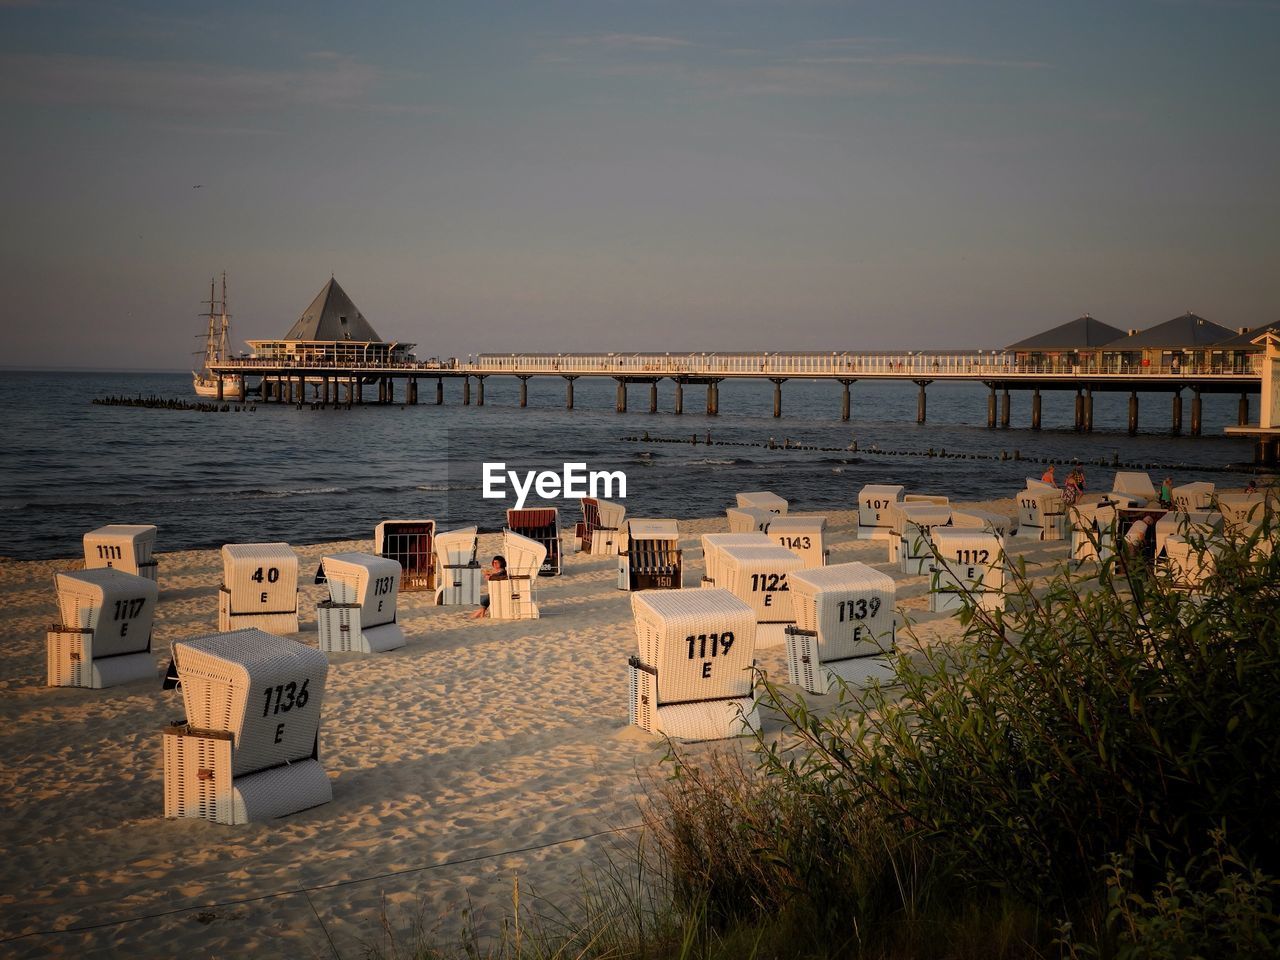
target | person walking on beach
[
  {"x": 1071, "y": 489},
  {"x": 497, "y": 571}
]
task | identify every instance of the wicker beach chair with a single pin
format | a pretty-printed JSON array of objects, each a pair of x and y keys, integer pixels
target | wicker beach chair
[
  {"x": 259, "y": 588},
  {"x": 123, "y": 546},
  {"x": 249, "y": 749},
  {"x": 692, "y": 677},
  {"x": 1042, "y": 512},
  {"x": 410, "y": 543},
  {"x": 1093, "y": 530},
  {"x": 749, "y": 519},
  {"x": 651, "y": 557},
  {"x": 1136, "y": 484},
  {"x": 460, "y": 574},
  {"x": 543, "y": 525},
  {"x": 713, "y": 543},
  {"x": 516, "y": 597},
  {"x": 874, "y": 501},
  {"x": 360, "y": 614},
  {"x": 803, "y": 536},
  {"x": 1195, "y": 525},
  {"x": 758, "y": 577},
  {"x": 969, "y": 565},
  {"x": 602, "y": 523},
  {"x": 914, "y": 523},
  {"x": 104, "y": 638},
  {"x": 844, "y": 627},
  {"x": 764, "y": 500},
  {"x": 1001, "y": 524},
  {"x": 1193, "y": 496}
]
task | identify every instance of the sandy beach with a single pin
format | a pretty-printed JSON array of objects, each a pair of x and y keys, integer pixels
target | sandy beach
[{"x": 480, "y": 751}]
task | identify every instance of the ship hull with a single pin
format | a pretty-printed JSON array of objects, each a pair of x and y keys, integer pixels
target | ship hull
[{"x": 232, "y": 387}]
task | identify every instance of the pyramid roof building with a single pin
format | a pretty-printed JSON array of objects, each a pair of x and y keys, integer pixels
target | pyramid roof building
[
  {"x": 1084, "y": 333},
  {"x": 333, "y": 316},
  {"x": 1250, "y": 339},
  {"x": 1181, "y": 333}
]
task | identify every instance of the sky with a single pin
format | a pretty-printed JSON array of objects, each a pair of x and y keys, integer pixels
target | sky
[{"x": 634, "y": 174}]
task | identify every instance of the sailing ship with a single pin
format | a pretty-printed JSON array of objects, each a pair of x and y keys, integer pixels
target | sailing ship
[{"x": 216, "y": 348}]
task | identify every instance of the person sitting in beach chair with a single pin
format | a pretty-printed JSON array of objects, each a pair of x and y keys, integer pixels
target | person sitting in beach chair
[{"x": 497, "y": 571}]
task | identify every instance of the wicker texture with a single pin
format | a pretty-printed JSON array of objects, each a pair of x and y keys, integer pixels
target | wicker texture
[
  {"x": 713, "y": 543},
  {"x": 602, "y": 520},
  {"x": 515, "y": 598},
  {"x": 124, "y": 546},
  {"x": 460, "y": 576},
  {"x": 874, "y": 501},
  {"x": 849, "y": 606},
  {"x": 118, "y": 608},
  {"x": 913, "y": 524},
  {"x": 764, "y": 500},
  {"x": 249, "y": 684},
  {"x": 748, "y": 519},
  {"x": 371, "y": 582},
  {"x": 1041, "y": 512},
  {"x": 758, "y": 577},
  {"x": 260, "y": 579},
  {"x": 806, "y": 537},
  {"x": 967, "y": 560}
]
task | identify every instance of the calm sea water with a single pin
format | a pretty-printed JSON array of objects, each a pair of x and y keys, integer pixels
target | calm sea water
[{"x": 307, "y": 476}]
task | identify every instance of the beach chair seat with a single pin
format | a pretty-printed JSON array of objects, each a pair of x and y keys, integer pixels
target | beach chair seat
[
  {"x": 806, "y": 537},
  {"x": 713, "y": 543},
  {"x": 1042, "y": 512},
  {"x": 969, "y": 566},
  {"x": 360, "y": 614},
  {"x": 128, "y": 547},
  {"x": 1193, "y": 496},
  {"x": 460, "y": 574},
  {"x": 249, "y": 749},
  {"x": 844, "y": 628},
  {"x": 410, "y": 543},
  {"x": 602, "y": 530},
  {"x": 931, "y": 498},
  {"x": 749, "y": 519},
  {"x": 651, "y": 558},
  {"x": 1001, "y": 524},
  {"x": 758, "y": 577},
  {"x": 764, "y": 500},
  {"x": 543, "y": 525},
  {"x": 259, "y": 588},
  {"x": 691, "y": 679},
  {"x": 516, "y": 597},
  {"x": 104, "y": 637},
  {"x": 874, "y": 501},
  {"x": 914, "y": 522},
  {"x": 1135, "y": 484}
]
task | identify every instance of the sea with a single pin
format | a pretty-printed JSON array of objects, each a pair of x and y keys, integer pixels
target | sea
[{"x": 273, "y": 472}]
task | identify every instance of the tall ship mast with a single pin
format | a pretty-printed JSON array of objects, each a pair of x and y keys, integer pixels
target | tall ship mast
[{"x": 216, "y": 349}]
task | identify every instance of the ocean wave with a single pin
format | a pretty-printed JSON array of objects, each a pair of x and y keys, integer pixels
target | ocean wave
[
  {"x": 444, "y": 487},
  {"x": 718, "y": 462}
]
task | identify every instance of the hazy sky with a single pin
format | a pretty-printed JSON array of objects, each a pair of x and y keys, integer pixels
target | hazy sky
[{"x": 623, "y": 174}]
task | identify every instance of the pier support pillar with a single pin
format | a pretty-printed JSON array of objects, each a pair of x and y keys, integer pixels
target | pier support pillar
[
  {"x": 1035, "y": 409},
  {"x": 844, "y": 400},
  {"x": 466, "y": 391},
  {"x": 1004, "y": 409},
  {"x": 439, "y": 391},
  {"x": 568, "y": 392},
  {"x": 777, "y": 395},
  {"x": 1133, "y": 413},
  {"x": 413, "y": 391},
  {"x": 1079, "y": 411},
  {"x": 219, "y": 389},
  {"x": 653, "y": 396},
  {"x": 480, "y": 391},
  {"x": 524, "y": 391},
  {"x": 1242, "y": 411},
  {"x": 1088, "y": 410},
  {"x": 921, "y": 407},
  {"x": 679, "y": 397},
  {"x": 991, "y": 409},
  {"x": 1196, "y": 423},
  {"x": 358, "y": 384},
  {"x": 1264, "y": 452},
  {"x": 383, "y": 391},
  {"x": 324, "y": 390},
  {"x": 1176, "y": 428},
  {"x": 621, "y": 405},
  {"x": 713, "y": 398}
]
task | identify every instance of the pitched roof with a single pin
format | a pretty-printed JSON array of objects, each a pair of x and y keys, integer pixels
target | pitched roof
[
  {"x": 1186, "y": 331},
  {"x": 332, "y": 316},
  {"x": 1079, "y": 334},
  {"x": 1244, "y": 341}
]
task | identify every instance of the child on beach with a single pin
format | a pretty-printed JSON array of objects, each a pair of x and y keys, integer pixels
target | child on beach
[
  {"x": 497, "y": 571},
  {"x": 1166, "y": 492},
  {"x": 1047, "y": 477}
]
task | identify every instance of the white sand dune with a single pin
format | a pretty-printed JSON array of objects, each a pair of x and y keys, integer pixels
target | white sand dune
[{"x": 479, "y": 751}]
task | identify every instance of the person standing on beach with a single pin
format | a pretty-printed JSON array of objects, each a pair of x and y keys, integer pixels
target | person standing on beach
[
  {"x": 1048, "y": 477},
  {"x": 497, "y": 571},
  {"x": 1166, "y": 492}
]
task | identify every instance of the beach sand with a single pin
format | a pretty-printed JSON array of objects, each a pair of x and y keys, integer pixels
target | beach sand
[{"x": 480, "y": 751}]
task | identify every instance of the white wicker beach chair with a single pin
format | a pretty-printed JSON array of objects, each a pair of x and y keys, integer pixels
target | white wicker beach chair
[
  {"x": 874, "y": 501},
  {"x": 970, "y": 564},
  {"x": 692, "y": 678},
  {"x": 1193, "y": 496},
  {"x": 249, "y": 749},
  {"x": 844, "y": 627},
  {"x": 602, "y": 522},
  {"x": 915, "y": 521},
  {"x": 516, "y": 597},
  {"x": 1042, "y": 512},
  {"x": 104, "y": 638},
  {"x": 410, "y": 543},
  {"x": 1239, "y": 508},
  {"x": 1135, "y": 484},
  {"x": 543, "y": 525},
  {"x": 1188, "y": 561},
  {"x": 758, "y": 577},
  {"x": 123, "y": 546},
  {"x": 651, "y": 557},
  {"x": 749, "y": 519},
  {"x": 713, "y": 543},
  {"x": 1093, "y": 530},
  {"x": 1001, "y": 524},
  {"x": 1197, "y": 525},
  {"x": 803, "y": 536},
  {"x": 764, "y": 500},
  {"x": 259, "y": 588},
  {"x": 360, "y": 614},
  {"x": 460, "y": 573}
]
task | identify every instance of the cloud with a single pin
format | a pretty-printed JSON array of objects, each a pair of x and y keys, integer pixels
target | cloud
[
  {"x": 927, "y": 60},
  {"x": 630, "y": 41}
]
